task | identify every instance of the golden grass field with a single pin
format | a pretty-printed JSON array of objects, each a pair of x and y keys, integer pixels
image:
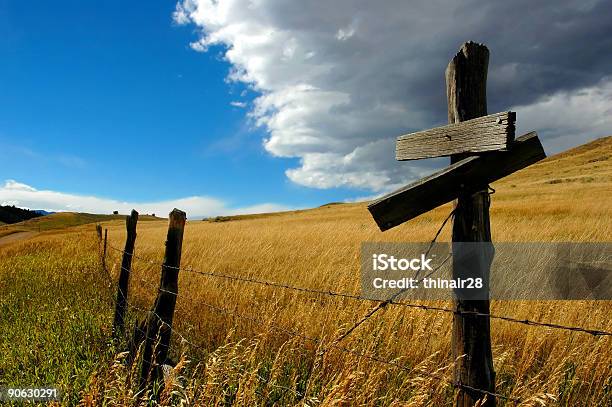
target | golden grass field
[{"x": 567, "y": 197}]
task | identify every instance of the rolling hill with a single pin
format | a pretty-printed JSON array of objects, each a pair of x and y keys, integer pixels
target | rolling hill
[
  {"x": 235, "y": 344},
  {"x": 62, "y": 220}
]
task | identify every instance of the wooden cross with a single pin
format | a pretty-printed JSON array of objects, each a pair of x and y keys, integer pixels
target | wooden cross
[{"x": 482, "y": 150}]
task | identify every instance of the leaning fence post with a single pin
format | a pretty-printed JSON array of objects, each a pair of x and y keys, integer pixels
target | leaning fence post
[
  {"x": 466, "y": 78},
  {"x": 159, "y": 326},
  {"x": 124, "y": 275}
]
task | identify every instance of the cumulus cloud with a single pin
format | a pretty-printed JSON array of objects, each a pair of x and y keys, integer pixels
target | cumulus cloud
[
  {"x": 338, "y": 81},
  {"x": 22, "y": 195},
  {"x": 566, "y": 119}
]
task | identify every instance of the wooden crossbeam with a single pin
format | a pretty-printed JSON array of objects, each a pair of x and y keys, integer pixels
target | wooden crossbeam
[
  {"x": 470, "y": 174},
  {"x": 487, "y": 133}
]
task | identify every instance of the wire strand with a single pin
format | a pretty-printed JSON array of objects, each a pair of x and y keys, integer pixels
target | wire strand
[
  {"x": 330, "y": 293},
  {"x": 296, "y": 334}
]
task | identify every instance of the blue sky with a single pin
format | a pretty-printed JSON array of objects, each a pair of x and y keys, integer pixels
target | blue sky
[
  {"x": 234, "y": 106},
  {"x": 108, "y": 99}
]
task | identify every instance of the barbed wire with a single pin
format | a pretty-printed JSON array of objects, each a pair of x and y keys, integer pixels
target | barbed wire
[
  {"x": 386, "y": 302},
  {"x": 381, "y": 305},
  {"x": 319, "y": 342},
  {"x": 131, "y": 305},
  {"x": 162, "y": 322},
  {"x": 331, "y": 293},
  {"x": 137, "y": 308},
  {"x": 315, "y": 341},
  {"x": 293, "y": 334},
  {"x": 335, "y": 344}
]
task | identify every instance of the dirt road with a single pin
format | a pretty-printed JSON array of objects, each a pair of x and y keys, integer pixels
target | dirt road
[{"x": 16, "y": 237}]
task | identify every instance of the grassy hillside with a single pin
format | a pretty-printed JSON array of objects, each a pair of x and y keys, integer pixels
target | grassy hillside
[
  {"x": 240, "y": 361},
  {"x": 62, "y": 220}
]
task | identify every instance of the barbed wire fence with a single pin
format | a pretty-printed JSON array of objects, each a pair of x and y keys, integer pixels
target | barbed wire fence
[
  {"x": 424, "y": 307},
  {"x": 320, "y": 343}
]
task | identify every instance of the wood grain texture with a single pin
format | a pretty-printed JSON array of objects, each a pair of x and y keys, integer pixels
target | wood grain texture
[
  {"x": 124, "y": 275},
  {"x": 468, "y": 175},
  {"x": 104, "y": 249},
  {"x": 466, "y": 90},
  {"x": 159, "y": 323},
  {"x": 488, "y": 133}
]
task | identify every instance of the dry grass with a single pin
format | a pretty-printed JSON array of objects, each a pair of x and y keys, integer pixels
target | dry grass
[
  {"x": 319, "y": 248},
  {"x": 565, "y": 198},
  {"x": 59, "y": 221}
]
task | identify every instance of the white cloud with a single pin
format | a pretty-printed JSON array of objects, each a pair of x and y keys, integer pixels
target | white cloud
[
  {"x": 345, "y": 33},
  {"x": 339, "y": 81},
  {"x": 241, "y": 105},
  {"x": 566, "y": 119},
  {"x": 17, "y": 186},
  {"x": 181, "y": 14},
  {"x": 356, "y": 169},
  {"x": 22, "y": 195}
]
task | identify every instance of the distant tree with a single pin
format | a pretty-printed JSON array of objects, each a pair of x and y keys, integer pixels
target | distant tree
[{"x": 13, "y": 214}]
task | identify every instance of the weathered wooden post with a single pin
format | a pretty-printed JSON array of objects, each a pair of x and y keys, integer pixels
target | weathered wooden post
[
  {"x": 482, "y": 150},
  {"x": 104, "y": 249},
  {"x": 99, "y": 234},
  {"x": 159, "y": 324},
  {"x": 466, "y": 89},
  {"x": 124, "y": 275}
]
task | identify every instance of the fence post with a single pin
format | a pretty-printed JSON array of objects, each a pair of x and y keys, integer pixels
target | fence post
[
  {"x": 104, "y": 249},
  {"x": 466, "y": 77},
  {"x": 124, "y": 275},
  {"x": 160, "y": 319},
  {"x": 99, "y": 233}
]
